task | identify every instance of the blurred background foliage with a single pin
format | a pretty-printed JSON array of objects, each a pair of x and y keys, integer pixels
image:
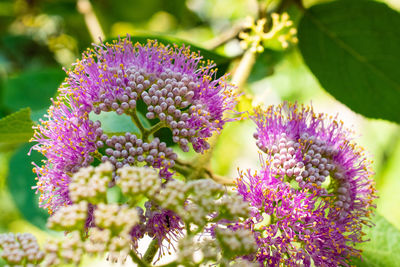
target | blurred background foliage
[{"x": 40, "y": 37}]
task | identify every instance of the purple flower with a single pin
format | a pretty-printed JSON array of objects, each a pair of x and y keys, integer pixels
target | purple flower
[
  {"x": 175, "y": 85},
  {"x": 159, "y": 224},
  {"x": 290, "y": 225},
  {"x": 313, "y": 194},
  {"x": 317, "y": 152}
]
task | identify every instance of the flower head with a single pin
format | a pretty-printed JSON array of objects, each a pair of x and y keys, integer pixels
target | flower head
[
  {"x": 20, "y": 249},
  {"x": 317, "y": 152},
  {"x": 313, "y": 193},
  {"x": 290, "y": 226},
  {"x": 177, "y": 88}
]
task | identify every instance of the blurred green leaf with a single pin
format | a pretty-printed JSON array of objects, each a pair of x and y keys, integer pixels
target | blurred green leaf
[
  {"x": 111, "y": 122},
  {"x": 15, "y": 129},
  {"x": 181, "y": 11},
  {"x": 383, "y": 249},
  {"x": 25, "y": 53},
  {"x": 352, "y": 47},
  {"x": 128, "y": 10},
  {"x": 20, "y": 181},
  {"x": 32, "y": 88},
  {"x": 265, "y": 64}
]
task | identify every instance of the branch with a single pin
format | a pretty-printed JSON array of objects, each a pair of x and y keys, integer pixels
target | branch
[
  {"x": 152, "y": 130},
  {"x": 137, "y": 122},
  {"x": 242, "y": 72},
  {"x": 221, "y": 179},
  {"x": 225, "y": 37},
  {"x": 184, "y": 170},
  {"x": 86, "y": 9}
]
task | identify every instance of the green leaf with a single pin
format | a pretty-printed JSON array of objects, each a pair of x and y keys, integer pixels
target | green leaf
[
  {"x": 26, "y": 53},
  {"x": 15, "y": 129},
  {"x": 221, "y": 61},
  {"x": 20, "y": 181},
  {"x": 383, "y": 249},
  {"x": 352, "y": 47},
  {"x": 32, "y": 89}
]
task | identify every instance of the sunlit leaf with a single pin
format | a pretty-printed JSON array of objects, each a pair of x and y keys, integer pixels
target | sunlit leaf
[
  {"x": 25, "y": 53},
  {"x": 383, "y": 249},
  {"x": 352, "y": 47},
  {"x": 15, "y": 129}
]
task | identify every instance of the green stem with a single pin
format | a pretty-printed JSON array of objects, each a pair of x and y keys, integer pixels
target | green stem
[
  {"x": 138, "y": 260},
  {"x": 222, "y": 180},
  {"x": 152, "y": 130},
  {"x": 283, "y": 5},
  {"x": 151, "y": 251},
  {"x": 188, "y": 231},
  {"x": 137, "y": 122},
  {"x": 203, "y": 160},
  {"x": 272, "y": 219}
]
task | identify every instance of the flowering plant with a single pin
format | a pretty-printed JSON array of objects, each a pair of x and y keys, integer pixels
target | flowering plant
[{"x": 130, "y": 151}]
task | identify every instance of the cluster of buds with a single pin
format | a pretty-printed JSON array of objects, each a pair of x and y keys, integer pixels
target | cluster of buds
[
  {"x": 90, "y": 184},
  {"x": 256, "y": 39},
  {"x": 224, "y": 249},
  {"x": 170, "y": 87},
  {"x": 20, "y": 250},
  {"x": 136, "y": 181},
  {"x": 112, "y": 222},
  {"x": 201, "y": 202},
  {"x": 96, "y": 226},
  {"x": 177, "y": 91},
  {"x": 69, "y": 218}
]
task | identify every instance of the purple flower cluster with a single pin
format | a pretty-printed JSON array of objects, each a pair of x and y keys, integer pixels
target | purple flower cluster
[
  {"x": 176, "y": 86},
  {"x": 314, "y": 192}
]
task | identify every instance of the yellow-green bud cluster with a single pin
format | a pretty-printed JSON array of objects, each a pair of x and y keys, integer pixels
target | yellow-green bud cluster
[
  {"x": 257, "y": 38},
  {"x": 68, "y": 250},
  {"x": 20, "y": 249},
  {"x": 69, "y": 218},
  {"x": 196, "y": 200},
  {"x": 223, "y": 249},
  {"x": 235, "y": 243},
  {"x": 244, "y": 263},
  {"x": 136, "y": 181},
  {"x": 90, "y": 184},
  {"x": 119, "y": 219},
  {"x": 113, "y": 222}
]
